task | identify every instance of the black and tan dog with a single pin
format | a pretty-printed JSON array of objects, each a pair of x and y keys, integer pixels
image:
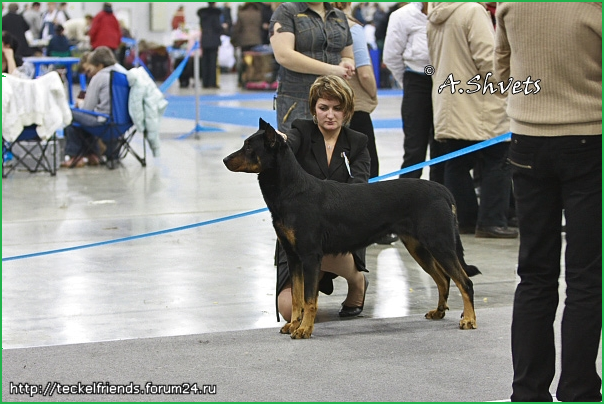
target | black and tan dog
[{"x": 313, "y": 217}]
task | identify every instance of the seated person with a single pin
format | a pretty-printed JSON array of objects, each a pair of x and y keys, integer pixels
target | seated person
[
  {"x": 9, "y": 65},
  {"x": 327, "y": 149},
  {"x": 83, "y": 70},
  {"x": 11, "y": 61},
  {"x": 80, "y": 145},
  {"x": 58, "y": 44}
]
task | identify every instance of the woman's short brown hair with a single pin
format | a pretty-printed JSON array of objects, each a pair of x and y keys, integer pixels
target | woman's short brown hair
[
  {"x": 332, "y": 88},
  {"x": 102, "y": 56}
]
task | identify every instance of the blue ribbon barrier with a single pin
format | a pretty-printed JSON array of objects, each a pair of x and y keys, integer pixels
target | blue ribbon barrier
[
  {"x": 178, "y": 71},
  {"x": 461, "y": 152},
  {"x": 140, "y": 236},
  {"x": 470, "y": 149}
]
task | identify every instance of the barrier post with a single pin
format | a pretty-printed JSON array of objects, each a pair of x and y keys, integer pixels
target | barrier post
[{"x": 197, "y": 84}]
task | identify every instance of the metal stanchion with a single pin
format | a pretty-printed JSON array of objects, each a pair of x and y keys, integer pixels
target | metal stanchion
[{"x": 197, "y": 84}]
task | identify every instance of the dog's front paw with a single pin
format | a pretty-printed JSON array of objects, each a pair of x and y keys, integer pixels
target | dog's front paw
[
  {"x": 435, "y": 314},
  {"x": 467, "y": 324},
  {"x": 301, "y": 333},
  {"x": 285, "y": 329},
  {"x": 290, "y": 327}
]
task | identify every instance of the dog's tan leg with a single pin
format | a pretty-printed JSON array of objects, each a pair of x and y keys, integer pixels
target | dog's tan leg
[
  {"x": 308, "y": 321},
  {"x": 466, "y": 288},
  {"x": 297, "y": 302},
  {"x": 312, "y": 269},
  {"x": 297, "y": 279},
  {"x": 427, "y": 262},
  {"x": 443, "y": 284}
]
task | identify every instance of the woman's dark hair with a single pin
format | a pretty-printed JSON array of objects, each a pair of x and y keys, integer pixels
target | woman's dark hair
[{"x": 11, "y": 41}]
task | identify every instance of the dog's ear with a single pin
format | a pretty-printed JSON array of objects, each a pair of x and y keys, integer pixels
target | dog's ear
[
  {"x": 262, "y": 124},
  {"x": 271, "y": 137}
]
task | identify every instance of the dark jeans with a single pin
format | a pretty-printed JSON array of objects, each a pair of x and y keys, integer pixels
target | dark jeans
[
  {"x": 361, "y": 122},
  {"x": 188, "y": 72},
  {"x": 209, "y": 60},
  {"x": 416, "y": 111},
  {"x": 494, "y": 184},
  {"x": 78, "y": 142},
  {"x": 552, "y": 175},
  {"x": 289, "y": 109}
]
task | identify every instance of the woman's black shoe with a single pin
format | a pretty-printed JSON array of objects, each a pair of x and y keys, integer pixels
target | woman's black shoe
[{"x": 347, "y": 311}]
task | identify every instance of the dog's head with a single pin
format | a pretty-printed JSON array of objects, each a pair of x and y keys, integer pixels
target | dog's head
[{"x": 258, "y": 152}]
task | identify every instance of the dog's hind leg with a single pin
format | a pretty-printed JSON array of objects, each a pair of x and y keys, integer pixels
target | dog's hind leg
[
  {"x": 449, "y": 263},
  {"x": 427, "y": 262},
  {"x": 297, "y": 279},
  {"x": 312, "y": 268}
]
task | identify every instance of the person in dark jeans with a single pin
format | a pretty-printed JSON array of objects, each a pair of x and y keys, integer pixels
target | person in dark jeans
[
  {"x": 461, "y": 41},
  {"x": 211, "y": 29},
  {"x": 494, "y": 199},
  {"x": 556, "y": 155},
  {"x": 418, "y": 126},
  {"x": 406, "y": 56}
]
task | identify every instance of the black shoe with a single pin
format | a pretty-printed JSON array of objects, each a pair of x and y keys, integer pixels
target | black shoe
[
  {"x": 347, "y": 311},
  {"x": 495, "y": 232},
  {"x": 387, "y": 239}
]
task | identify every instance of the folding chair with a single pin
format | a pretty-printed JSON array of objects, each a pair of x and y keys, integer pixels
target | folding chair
[
  {"x": 118, "y": 130},
  {"x": 29, "y": 151},
  {"x": 32, "y": 112}
]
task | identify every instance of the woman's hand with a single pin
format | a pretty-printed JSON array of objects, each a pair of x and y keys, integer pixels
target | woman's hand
[
  {"x": 348, "y": 65},
  {"x": 345, "y": 70},
  {"x": 283, "y": 135}
]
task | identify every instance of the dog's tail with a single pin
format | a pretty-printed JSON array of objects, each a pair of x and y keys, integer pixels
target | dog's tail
[{"x": 471, "y": 270}]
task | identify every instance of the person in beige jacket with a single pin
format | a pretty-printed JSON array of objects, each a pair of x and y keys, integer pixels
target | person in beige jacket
[
  {"x": 556, "y": 157},
  {"x": 461, "y": 41}
]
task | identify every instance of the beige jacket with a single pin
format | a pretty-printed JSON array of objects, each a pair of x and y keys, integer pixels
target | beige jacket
[
  {"x": 559, "y": 44},
  {"x": 461, "y": 40}
]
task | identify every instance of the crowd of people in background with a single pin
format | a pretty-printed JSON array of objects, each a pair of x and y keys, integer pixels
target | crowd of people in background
[{"x": 52, "y": 31}]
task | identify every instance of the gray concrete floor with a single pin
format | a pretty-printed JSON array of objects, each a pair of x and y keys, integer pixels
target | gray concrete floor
[{"x": 206, "y": 279}]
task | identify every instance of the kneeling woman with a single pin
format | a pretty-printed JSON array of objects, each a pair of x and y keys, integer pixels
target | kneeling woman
[{"x": 328, "y": 150}]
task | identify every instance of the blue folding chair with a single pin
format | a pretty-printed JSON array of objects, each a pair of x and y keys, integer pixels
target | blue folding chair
[
  {"x": 118, "y": 129},
  {"x": 30, "y": 152}
]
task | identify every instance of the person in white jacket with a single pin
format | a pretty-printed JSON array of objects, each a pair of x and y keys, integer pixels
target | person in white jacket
[{"x": 406, "y": 56}]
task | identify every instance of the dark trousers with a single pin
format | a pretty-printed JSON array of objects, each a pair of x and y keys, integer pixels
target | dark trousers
[
  {"x": 418, "y": 126},
  {"x": 552, "y": 175},
  {"x": 209, "y": 60},
  {"x": 494, "y": 184},
  {"x": 361, "y": 122},
  {"x": 78, "y": 142},
  {"x": 188, "y": 72}
]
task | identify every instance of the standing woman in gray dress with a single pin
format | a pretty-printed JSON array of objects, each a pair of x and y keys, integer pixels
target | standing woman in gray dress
[{"x": 309, "y": 40}]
